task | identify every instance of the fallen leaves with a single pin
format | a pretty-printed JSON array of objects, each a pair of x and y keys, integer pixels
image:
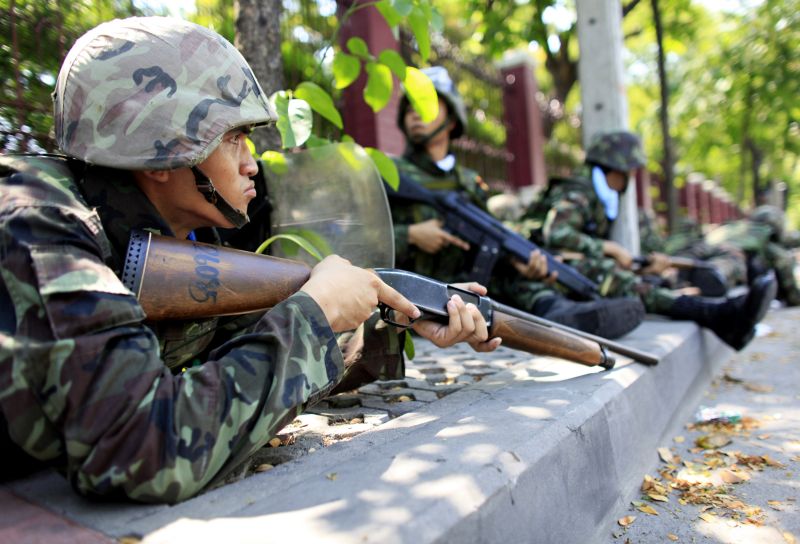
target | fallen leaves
[
  {"x": 713, "y": 441},
  {"x": 626, "y": 521}
]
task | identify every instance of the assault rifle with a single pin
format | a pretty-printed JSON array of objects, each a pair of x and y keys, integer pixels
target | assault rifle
[
  {"x": 181, "y": 279},
  {"x": 464, "y": 219}
]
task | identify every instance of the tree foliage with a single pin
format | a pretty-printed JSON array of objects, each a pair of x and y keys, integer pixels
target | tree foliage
[{"x": 36, "y": 35}]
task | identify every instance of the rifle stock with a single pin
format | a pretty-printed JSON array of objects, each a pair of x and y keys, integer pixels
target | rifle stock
[{"x": 181, "y": 279}]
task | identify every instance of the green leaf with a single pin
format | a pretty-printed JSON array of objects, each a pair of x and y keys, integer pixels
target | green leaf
[
  {"x": 394, "y": 61},
  {"x": 348, "y": 139},
  {"x": 437, "y": 21},
  {"x": 386, "y": 167},
  {"x": 294, "y": 119},
  {"x": 422, "y": 94},
  {"x": 389, "y": 13},
  {"x": 408, "y": 346},
  {"x": 345, "y": 69},
  {"x": 320, "y": 101},
  {"x": 251, "y": 146},
  {"x": 295, "y": 239},
  {"x": 403, "y": 7},
  {"x": 358, "y": 47},
  {"x": 275, "y": 161},
  {"x": 315, "y": 141},
  {"x": 378, "y": 90},
  {"x": 419, "y": 27}
]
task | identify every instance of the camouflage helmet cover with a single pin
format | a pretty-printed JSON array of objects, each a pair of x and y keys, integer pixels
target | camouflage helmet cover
[
  {"x": 153, "y": 93},
  {"x": 447, "y": 91},
  {"x": 770, "y": 216},
  {"x": 620, "y": 151}
]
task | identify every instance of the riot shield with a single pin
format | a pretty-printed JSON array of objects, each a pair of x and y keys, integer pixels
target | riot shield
[{"x": 333, "y": 197}]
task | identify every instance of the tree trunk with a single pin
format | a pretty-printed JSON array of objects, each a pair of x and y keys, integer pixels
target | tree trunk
[
  {"x": 669, "y": 182},
  {"x": 258, "y": 37}
]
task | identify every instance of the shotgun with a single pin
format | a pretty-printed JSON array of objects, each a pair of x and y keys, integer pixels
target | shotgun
[{"x": 182, "y": 279}]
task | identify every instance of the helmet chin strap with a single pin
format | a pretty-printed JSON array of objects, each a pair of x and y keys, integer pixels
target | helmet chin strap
[
  {"x": 420, "y": 142},
  {"x": 206, "y": 187}
]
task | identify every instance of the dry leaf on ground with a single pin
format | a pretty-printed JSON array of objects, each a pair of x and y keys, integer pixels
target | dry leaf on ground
[{"x": 627, "y": 520}]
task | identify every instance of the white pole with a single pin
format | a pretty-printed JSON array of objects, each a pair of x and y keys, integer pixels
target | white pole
[{"x": 605, "y": 105}]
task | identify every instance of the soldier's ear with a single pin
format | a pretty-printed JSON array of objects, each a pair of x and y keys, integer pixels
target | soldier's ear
[{"x": 160, "y": 176}]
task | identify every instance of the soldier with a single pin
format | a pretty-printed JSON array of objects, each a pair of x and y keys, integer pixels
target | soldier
[
  {"x": 761, "y": 238},
  {"x": 153, "y": 114},
  {"x": 723, "y": 265},
  {"x": 422, "y": 245},
  {"x": 577, "y": 213}
]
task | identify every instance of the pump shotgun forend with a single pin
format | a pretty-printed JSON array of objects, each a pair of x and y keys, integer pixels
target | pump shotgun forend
[
  {"x": 519, "y": 330},
  {"x": 182, "y": 279}
]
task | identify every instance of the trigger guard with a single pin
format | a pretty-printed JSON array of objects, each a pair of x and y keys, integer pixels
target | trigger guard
[{"x": 386, "y": 317}]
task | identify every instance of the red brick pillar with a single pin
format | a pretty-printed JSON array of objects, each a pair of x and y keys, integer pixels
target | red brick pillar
[
  {"x": 365, "y": 126},
  {"x": 704, "y": 203},
  {"x": 688, "y": 200},
  {"x": 715, "y": 211},
  {"x": 523, "y": 120}
]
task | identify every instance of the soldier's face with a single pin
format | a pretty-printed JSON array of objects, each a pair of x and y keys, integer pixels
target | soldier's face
[
  {"x": 617, "y": 181},
  {"x": 417, "y": 129},
  {"x": 229, "y": 167}
]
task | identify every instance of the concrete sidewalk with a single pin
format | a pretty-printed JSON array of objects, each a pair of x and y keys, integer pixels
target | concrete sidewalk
[
  {"x": 527, "y": 449},
  {"x": 757, "y": 473}
]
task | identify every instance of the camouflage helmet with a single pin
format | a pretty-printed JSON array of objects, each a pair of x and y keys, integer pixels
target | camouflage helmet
[
  {"x": 447, "y": 91},
  {"x": 620, "y": 151},
  {"x": 770, "y": 216},
  {"x": 153, "y": 93}
]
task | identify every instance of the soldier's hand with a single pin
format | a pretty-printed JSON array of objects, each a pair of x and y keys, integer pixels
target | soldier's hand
[
  {"x": 430, "y": 237},
  {"x": 618, "y": 253},
  {"x": 657, "y": 263},
  {"x": 535, "y": 268},
  {"x": 348, "y": 294},
  {"x": 466, "y": 324}
]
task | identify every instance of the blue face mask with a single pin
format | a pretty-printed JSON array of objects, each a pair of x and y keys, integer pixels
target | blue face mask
[
  {"x": 608, "y": 196},
  {"x": 447, "y": 163}
]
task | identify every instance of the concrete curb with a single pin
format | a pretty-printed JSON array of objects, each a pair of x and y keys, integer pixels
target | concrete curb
[{"x": 545, "y": 451}]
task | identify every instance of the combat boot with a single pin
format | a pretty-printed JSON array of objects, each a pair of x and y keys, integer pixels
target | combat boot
[
  {"x": 709, "y": 280},
  {"x": 733, "y": 320},
  {"x": 609, "y": 318}
]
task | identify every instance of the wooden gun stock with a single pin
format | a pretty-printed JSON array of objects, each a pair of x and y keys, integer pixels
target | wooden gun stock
[
  {"x": 175, "y": 279},
  {"x": 179, "y": 279}
]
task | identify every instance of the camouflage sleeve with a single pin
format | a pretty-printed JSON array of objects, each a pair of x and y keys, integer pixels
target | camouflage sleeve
[
  {"x": 563, "y": 226},
  {"x": 782, "y": 262},
  {"x": 82, "y": 381}
]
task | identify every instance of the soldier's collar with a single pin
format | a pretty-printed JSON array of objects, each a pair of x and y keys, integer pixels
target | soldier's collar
[{"x": 121, "y": 205}]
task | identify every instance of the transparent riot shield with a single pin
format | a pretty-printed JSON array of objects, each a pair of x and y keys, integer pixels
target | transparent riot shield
[{"x": 333, "y": 197}]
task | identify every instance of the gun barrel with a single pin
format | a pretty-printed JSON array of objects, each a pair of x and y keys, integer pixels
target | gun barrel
[{"x": 633, "y": 353}]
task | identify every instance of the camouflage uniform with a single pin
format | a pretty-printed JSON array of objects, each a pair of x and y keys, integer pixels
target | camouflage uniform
[
  {"x": 728, "y": 260},
  {"x": 452, "y": 264},
  {"x": 574, "y": 213},
  {"x": 760, "y": 239},
  {"x": 575, "y": 220},
  {"x": 84, "y": 380}
]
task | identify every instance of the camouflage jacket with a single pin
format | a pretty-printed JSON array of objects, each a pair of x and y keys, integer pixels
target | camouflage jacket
[
  {"x": 571, "y": 216},
  {"x": 83, "y": 380},
  {"x": 755, "y": 239},
  {"x": 451, "y": 263}
]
